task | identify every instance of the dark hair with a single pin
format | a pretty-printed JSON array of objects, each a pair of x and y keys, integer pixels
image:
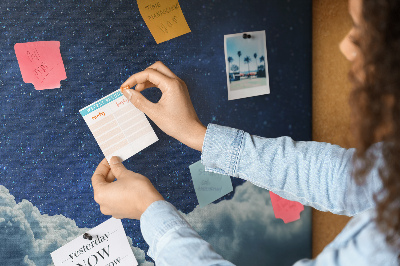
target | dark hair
[{"x": 375, "y": 103}]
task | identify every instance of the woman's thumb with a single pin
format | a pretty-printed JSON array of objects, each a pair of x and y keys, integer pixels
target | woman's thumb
[
  {"x": 117, "y": 167},
  {"x": 138, "y": 100}
]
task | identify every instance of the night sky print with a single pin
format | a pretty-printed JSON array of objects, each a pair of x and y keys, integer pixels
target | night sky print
[{"x": 48, "y": 154}]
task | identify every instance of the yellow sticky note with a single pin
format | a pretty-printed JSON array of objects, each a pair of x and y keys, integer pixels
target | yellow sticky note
[{"x": 164, "y": 18}]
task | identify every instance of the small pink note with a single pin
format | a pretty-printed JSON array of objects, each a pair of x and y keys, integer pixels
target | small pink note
[
  {"x": 288, "y": 211},
  {"x": 41, "y": 64}
]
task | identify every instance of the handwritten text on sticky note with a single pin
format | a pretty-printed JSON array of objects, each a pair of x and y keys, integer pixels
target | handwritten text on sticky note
[
  {"x": 209, "y": 186},
  {"x": 41, "y": 64},
  {"x": 288, "y": 211},
  {"x": 164, "y": 18}
]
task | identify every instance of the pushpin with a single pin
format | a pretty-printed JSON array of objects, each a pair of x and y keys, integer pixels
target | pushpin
[
  {"x": 87, "y": 236},
  {"x": 246, "y": 36},
  {"x": 126, "y": 87}
]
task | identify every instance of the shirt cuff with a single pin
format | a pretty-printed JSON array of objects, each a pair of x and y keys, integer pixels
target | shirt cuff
[
  {"x": 221, "y": 149},
  {"x": 158, "y": 219}
]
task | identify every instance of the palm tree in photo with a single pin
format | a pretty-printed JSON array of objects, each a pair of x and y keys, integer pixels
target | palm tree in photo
[
  {"x": 262, "y": 60},
  {"x": 247, "y": 60},
  {"x": 255, "y": 60},
  {"x": 239, "y": 54},
  {"x": 230, "y": 60},
  {"x": 234, "y": 68}
]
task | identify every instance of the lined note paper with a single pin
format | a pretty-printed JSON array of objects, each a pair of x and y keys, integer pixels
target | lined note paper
[
  {"x": 118, "y": 126},
  {"x": 164, "y": 18},
  {"x": 41, "y": 64}
]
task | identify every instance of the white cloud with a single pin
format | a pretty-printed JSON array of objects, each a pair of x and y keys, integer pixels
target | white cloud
[
  {"x": 28, "y": 237},
  {"x": 139, "y": 255},
  {"x": 244, "y": 230}
]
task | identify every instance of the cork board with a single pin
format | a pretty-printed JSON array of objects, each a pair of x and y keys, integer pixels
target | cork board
[{"x": 331, "y": 88}]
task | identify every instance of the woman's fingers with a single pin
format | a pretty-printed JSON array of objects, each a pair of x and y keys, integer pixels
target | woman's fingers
[
  {"x": 140, "y": 102},
  {"x": 100, "y": 174},
  {"x": 158, "y": 79},
  {"x": 110, "y": 177},
  {"x": 160, "y": 67},
  {"x": 143, "y": 86}
]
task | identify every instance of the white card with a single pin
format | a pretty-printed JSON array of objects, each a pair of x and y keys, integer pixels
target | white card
[
  {"x": 118, "y": 126},
  {"x": 108, "y": 247}
]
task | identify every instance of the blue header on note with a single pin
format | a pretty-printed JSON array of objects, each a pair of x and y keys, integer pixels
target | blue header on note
[{"x": 100, "y": 103}]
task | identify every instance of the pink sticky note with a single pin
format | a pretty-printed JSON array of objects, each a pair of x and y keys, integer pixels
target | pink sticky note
[
  {"x": 288, "y": 211},
  {"x": 41, "y": 64}
]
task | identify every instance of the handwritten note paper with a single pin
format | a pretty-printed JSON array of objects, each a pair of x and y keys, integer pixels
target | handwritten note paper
[
  {"x": 209, "y": 186},
  {"x": 288, "y": 211},
  {"x": 41, "y": 64},
  {"x": 118, "y": 126},
  {"x": 108, "y": 246},
  {"x": 164, "y": 18}
]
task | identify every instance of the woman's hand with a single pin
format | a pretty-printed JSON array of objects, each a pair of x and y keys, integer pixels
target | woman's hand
[
  {"x": 127, "y": 197},
  {"x": 174, "y": 112}
]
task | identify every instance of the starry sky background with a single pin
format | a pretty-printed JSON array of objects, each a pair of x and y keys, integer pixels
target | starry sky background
[{"x": 47, "y": 152}]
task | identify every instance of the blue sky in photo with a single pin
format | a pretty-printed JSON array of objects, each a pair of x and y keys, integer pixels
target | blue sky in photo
[{"x": 248, "y": 47}]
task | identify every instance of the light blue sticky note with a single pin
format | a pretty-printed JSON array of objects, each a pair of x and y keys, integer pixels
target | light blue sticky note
[{"x": 209, "y": 186}]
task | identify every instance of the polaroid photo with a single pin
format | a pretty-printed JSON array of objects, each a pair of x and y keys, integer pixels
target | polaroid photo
[{"x": 246, "y": 64}]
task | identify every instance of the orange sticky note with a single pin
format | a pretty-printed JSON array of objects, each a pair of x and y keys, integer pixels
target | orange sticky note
[
  {"x": 288, "y": 211},
  {"x": 41, "y": 64},
  {"x": 164, "y": 18}
]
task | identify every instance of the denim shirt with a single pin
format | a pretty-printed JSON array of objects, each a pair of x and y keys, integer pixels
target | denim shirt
[{"x": 312, "y": 173}]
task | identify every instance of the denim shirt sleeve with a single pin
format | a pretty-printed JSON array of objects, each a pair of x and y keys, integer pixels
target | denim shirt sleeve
[
  {"x": 312, "y": 173},
  {"x": 172, "y": 241}
]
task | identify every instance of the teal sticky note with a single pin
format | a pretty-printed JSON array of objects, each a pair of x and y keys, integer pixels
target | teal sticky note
[{"x": 209, "y": 186}]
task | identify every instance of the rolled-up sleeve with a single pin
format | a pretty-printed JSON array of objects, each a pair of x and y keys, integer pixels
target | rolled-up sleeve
[{"x": 313, "y": 173}]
